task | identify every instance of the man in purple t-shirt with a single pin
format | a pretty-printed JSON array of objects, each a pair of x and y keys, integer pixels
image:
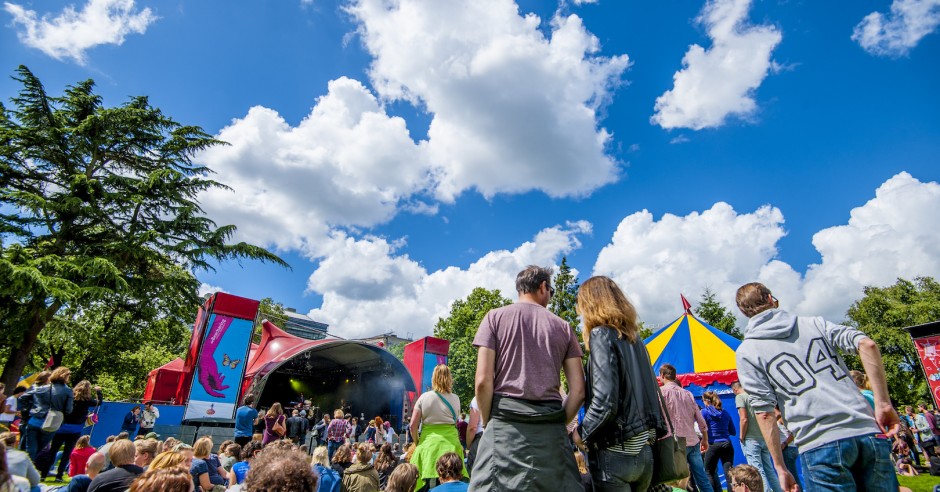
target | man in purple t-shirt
[{"x": 522, "y": 349}]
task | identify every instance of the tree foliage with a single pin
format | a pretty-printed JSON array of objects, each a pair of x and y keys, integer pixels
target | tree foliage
[
  {"x": 98, "y": 207},
  {"x": 882, "y": 314},
  {"x": 459, "y": 327},
  {"x": 712, "y": 312},
  {"x": 398, "y": 350}
]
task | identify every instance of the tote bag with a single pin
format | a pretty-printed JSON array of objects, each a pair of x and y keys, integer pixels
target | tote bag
[{"x": 669, "y": 459}]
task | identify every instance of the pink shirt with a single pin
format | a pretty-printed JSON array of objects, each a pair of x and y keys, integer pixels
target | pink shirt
[
  {"x": 684, "y": 412},
  {"x": 79, "y": 459},
  {"x": 531, "y": 343}
]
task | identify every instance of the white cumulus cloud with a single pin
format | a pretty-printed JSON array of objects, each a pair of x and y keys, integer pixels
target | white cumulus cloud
[
  {"x": 71, "y": 33},
  {"x": 368, "y": 288},
  {"x": 512, "y": 109},
  {"x": 897, "y": 32},
  {"x": 206, "y": 289},
  {"x": 348, "y": 163},
  {"x": 720, "y": 81},
  {"x": 893, "y": 235}
]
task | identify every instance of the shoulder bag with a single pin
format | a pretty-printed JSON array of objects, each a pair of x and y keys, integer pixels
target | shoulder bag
[
  {"x": 278, "y": 427},
  {"x": 54, "y": 417},
  {"x": 669, "y": 458}
]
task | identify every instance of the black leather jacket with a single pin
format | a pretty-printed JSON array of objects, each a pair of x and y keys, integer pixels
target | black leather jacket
[{"x": 621, "y": 391}]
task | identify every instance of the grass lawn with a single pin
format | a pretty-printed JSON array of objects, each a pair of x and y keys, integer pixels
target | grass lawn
[{"x": 921, "y": 483}]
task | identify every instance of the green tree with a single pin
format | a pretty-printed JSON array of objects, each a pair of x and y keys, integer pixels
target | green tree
[
  {"x": 398, "y": 350},
  {"x": 270, "y": 310},
  {"x": 712, "y": 312},
  {"x": 459, "y": 327},
  {"x": 98, "y": 203},
  {"x": 565, "y": 301},
  {"x": 882, "y": 314}
]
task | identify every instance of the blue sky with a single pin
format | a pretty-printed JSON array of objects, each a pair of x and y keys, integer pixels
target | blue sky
[{"x": 400, "y": 153}]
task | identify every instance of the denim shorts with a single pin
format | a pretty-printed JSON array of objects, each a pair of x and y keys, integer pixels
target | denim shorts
[{"x": 856, "y": 463}]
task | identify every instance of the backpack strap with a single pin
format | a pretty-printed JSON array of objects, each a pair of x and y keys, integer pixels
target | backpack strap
[{"x": 449, "y": 406}]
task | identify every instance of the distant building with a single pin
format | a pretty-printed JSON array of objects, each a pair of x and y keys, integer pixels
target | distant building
[
  {"x": 386, "y": 340},
  {"x": 303, "y": 326}
]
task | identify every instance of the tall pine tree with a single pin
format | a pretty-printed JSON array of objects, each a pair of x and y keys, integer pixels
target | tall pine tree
[{"x": 713, "y": 313}]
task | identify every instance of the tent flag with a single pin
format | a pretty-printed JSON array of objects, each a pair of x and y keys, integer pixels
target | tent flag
[
  {"x": 692, "y": 346},
  {"x": 28, "y": 380},
  {"x": 686, "y": 305}
]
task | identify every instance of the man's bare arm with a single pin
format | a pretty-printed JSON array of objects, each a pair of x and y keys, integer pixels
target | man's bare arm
[
  {"x": 767, "y": 422},
  {"x": 486, "y": 370},
  {"x": 575, "y": 375},
  {"x": 885, "y": 414}
]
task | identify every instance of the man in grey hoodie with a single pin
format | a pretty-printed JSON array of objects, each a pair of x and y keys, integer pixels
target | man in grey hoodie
[{"x": 792, "y": 362}]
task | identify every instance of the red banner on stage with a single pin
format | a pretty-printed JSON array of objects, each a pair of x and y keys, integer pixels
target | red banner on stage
[{"x": 928, "y": 349}]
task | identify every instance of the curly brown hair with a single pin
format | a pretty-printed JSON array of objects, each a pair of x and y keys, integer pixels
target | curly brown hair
[
  {"x": 280, "y": 470},
  {"x": 343, "y": 454},
  {"x": 449, "y": 467},
  {"x": 174, "y": 479}
]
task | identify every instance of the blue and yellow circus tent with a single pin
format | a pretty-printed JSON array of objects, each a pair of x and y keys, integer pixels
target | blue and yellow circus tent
[
  {"x": 704, "y": 359},
  {"x": 701, "y": 353}
]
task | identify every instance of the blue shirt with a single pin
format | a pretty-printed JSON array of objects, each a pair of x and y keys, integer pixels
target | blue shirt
[
  {"x": 720, "y": 425},
  {"x": 451, "y": 487},
  {"x": 241, "y": 471},
  {"x": 245, "y": 421}
]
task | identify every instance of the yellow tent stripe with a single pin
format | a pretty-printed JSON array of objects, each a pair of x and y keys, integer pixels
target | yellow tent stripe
[
  {"x": 658, "y": 344},
  {"x": 710, "y": 353}
]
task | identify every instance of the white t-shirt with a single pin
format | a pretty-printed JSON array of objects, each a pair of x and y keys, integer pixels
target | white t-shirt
[
  {"x": 433, "y": 409},
  {"x": 9, "y": 417},
  {"x": 473, "y": 405}
]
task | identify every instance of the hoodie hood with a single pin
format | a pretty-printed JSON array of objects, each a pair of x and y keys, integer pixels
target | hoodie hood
[
  {"x": 770, "y": 324},
  {"x": 710, "y": 411},
  {"x": 359, "y": 468}
]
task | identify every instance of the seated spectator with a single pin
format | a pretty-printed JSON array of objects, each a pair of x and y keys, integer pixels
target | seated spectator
[
  {"x": 18, "y": 462},
  {"x": 403, "y": 478},
  {"x": 330, "y": 480},
  {"x": 206, "y": 469},
  {"x": 409, "y": 450},
  {"x": 175, "y": 479},
  {"x": 119, "y": 478},
  {"x": 168, "y": 459},
  {"x": 231, "y": 455},
  {"x": 449, "y": 473},
  {"x": 79, "y": 457},
  {"x": 240, "y": 469},
  {"x": 80, "y": 483},
  {"x": 361, "y": 477},
  {"x": 187, "y": 451},
  {"x": 169, "y": 444},
  {"x": 385, "y": 462},
  {"x": 746, "y": 478},
  {"x": 280, "y": 469},
  {"x": 903, "y": 458},
  {"x": 146, "y": 452},
  {"x": 342, "y": 459}
]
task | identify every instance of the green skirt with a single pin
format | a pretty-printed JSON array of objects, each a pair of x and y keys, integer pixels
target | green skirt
[{"x": 435, "y": 441}]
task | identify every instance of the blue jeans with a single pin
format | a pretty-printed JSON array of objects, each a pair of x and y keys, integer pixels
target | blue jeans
[
  {"x": 790, "y": 454},
  {"x": 697, "y": 468},
  {"x": 856, "y": 463},
  {"x": 612, "y": 471},
  {"x": 37, "y": 440},
  {"x": 758, "y": 456}
]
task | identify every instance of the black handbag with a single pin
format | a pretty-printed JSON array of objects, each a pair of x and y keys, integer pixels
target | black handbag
[{"x": 669, "y": 459}]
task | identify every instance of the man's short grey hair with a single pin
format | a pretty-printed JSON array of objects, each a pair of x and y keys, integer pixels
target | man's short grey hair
[{"x": 530, "y": 279}]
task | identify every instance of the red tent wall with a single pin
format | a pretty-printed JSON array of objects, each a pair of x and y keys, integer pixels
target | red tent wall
[{"x": 163, "y": 381}]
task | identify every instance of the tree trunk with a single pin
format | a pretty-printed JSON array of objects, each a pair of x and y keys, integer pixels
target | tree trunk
[{"x": 18, "y": 357}]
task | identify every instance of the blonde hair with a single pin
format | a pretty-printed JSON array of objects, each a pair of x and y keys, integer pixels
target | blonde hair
[
  {"x": 441, "y": 380},
  {"x": 860, "y": 379},
  {"x": 338, "y": 413},
  {"x": 363, "y": 452},
  {"x": 753, "y": 299},
  {"x": 275, "y": 411},
  {"x": 82, "y": 390},
  {"x": 749, "y": 476},
  {"x": 167, "y": 459},
  {"x": 711, "y": 398},
  {"x": 203, "y": 447},
  {"x": 602, "y": 303},
  {"x": 60, "y": 375},
  {"x": 321, "y": 456},
  {"x": 147, "y": 446},
  {"x": 122, "y": 452}
]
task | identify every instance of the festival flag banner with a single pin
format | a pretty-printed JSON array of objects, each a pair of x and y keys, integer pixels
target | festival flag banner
[
  {"x": 220, "y": 369},
  {"x": 930, "y": 360}
]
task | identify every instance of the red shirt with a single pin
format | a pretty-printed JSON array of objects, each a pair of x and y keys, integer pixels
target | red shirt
[{"x": 79, "y": 459}]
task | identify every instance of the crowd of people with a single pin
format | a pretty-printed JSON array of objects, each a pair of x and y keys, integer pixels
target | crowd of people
[{"x": 618, "y": 427}]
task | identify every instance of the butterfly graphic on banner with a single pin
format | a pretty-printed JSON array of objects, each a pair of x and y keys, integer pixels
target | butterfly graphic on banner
[{"x": 226, "y": 361}]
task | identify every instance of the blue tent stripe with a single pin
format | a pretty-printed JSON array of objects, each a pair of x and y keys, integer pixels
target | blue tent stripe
[{"x": 678, "y": 351}]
